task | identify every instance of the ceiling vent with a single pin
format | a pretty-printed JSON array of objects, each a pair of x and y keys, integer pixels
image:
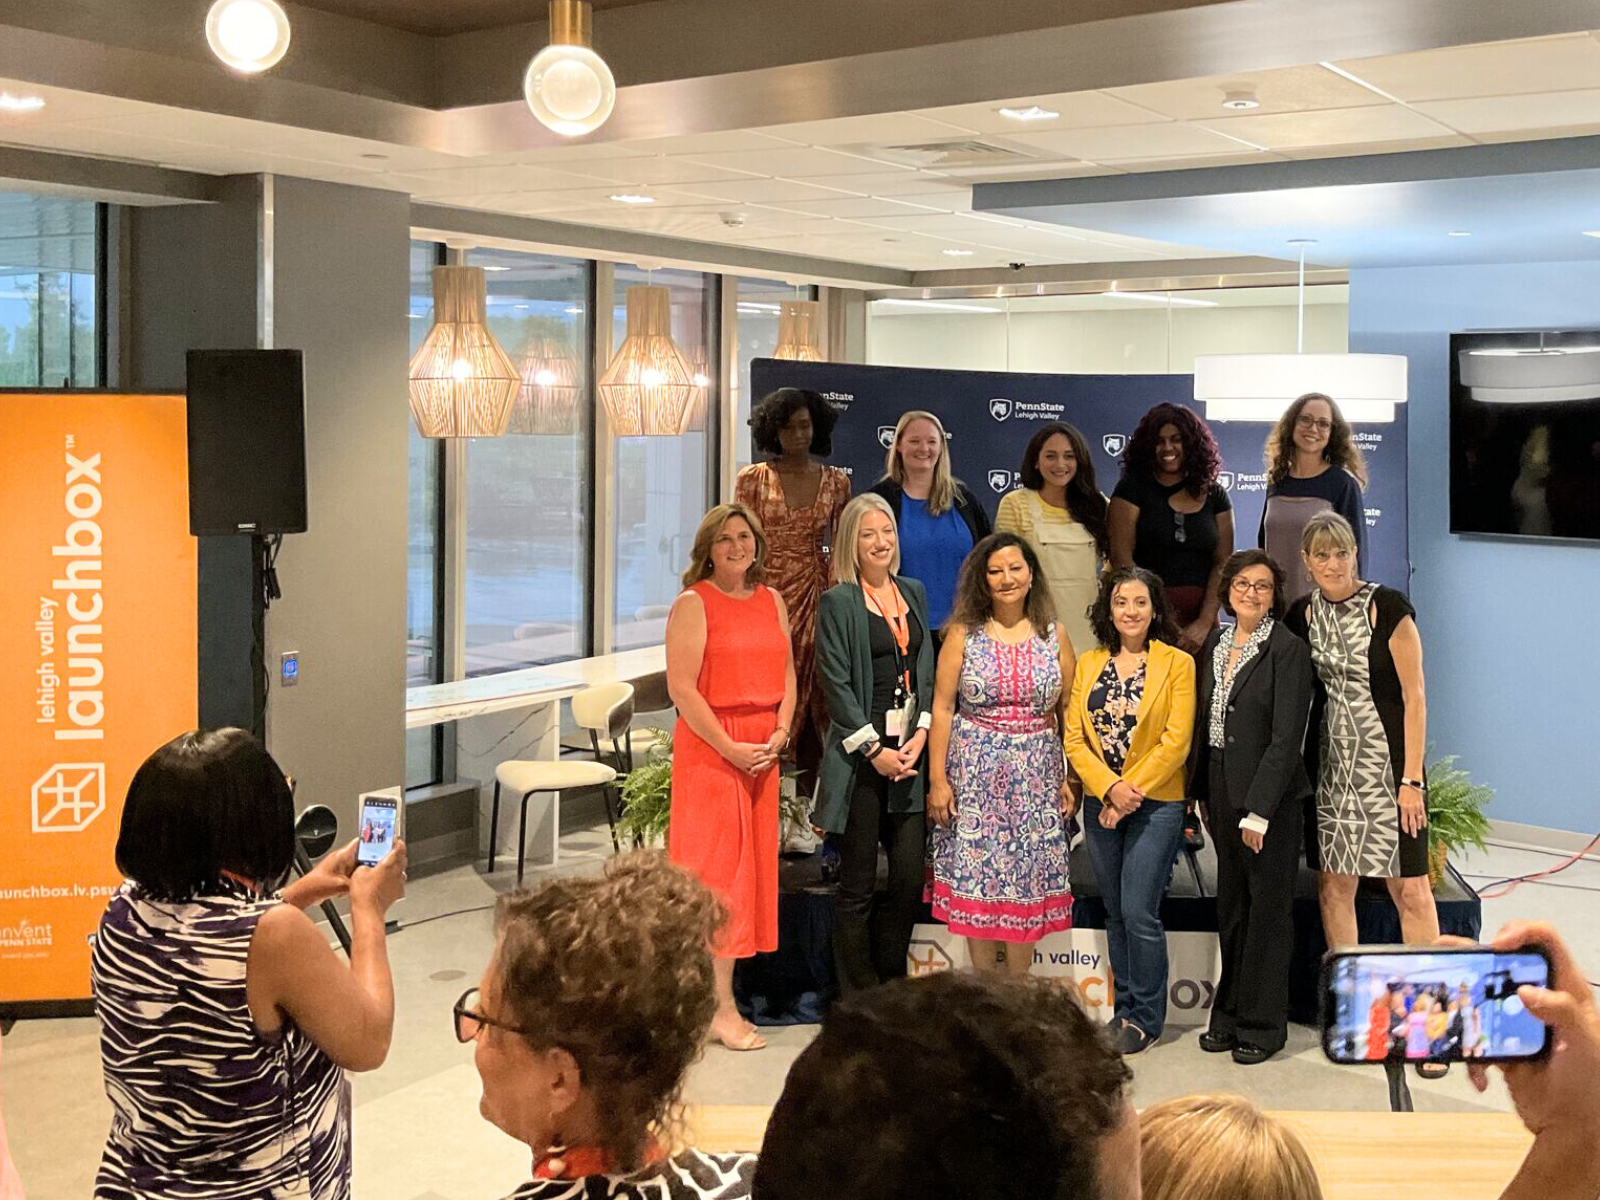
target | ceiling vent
[{"x": 935, "y": 155}]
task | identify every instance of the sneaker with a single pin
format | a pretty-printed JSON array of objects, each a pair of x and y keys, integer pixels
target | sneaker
[{"x": 1131, "y": 1040}]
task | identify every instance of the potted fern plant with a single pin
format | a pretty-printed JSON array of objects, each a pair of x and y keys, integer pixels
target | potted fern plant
[
  {"x": 1455, "y": 815},
  {"x": 647, "y": 796}
]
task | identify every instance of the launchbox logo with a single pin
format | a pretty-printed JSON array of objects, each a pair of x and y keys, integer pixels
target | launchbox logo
[{"x": 68, "y": 797}]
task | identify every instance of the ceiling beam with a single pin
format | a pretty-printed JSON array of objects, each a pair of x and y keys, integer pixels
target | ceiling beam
[{"x": 105, "y": 180}]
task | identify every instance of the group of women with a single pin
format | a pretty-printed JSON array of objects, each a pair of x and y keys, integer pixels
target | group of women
[{"x": 991, "y": 684}]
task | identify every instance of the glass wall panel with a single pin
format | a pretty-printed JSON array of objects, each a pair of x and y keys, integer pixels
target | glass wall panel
[
  {"x": 48, "y": 322},
  {"x": 756, "y": 336},
  {"x": 424, "y": 635}
]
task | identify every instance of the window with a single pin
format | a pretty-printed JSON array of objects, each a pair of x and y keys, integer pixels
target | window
[
  {"x": 757, "y": 337},
  {"x": 424, "y": 631},
  {"x": 663, "y": 484},
  {"x": 48, "y": 320},
  {"x": 528, "y": 512}
]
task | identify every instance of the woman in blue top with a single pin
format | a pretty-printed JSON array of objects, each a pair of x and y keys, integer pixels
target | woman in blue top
[{"x": 939, "y": 519}]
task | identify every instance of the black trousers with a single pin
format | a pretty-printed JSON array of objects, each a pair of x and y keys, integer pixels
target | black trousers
[
  {"x": 1255, "y": 917},
  {"x": 870, "y": 947}
]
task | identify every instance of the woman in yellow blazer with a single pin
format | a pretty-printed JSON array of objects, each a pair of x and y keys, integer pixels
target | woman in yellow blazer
[{"x": 1127, "y": 734}]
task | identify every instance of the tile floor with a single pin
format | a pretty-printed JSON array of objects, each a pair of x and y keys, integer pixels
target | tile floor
[{"x": 418, "y": 1134}]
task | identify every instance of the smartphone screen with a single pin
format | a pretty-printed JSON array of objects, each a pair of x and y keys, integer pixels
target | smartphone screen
[
  {"x": 375, "y": 831},
  {"x": 1438, "y": 1005}
]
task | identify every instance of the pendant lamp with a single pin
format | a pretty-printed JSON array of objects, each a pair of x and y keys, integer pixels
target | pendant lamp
[
  {"x": 1531, "y": 374},
  {"x": 567, "y": 85},
  {"x": 700, "y": 376},
  {"x": 547, "y": 400},
  {"x": 1258, "y": 387},
  {"x": 462, "y": 383},
  {"x": 798, "y": 329},
  {"x": 648, "y": 389}
]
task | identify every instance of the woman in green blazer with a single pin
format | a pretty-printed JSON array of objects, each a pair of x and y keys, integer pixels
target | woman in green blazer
[{"x": 875, "y": 657}]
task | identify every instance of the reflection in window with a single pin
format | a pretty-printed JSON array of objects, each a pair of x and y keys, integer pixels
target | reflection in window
[
  {"x": 663, "y": 484},
  {"x": 48, "y": 331},
  {"x": 424, "y": 636},
  {"x": 756, "y": 336}
]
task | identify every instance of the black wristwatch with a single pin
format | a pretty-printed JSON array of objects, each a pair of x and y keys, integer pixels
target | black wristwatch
[{"x": 872, "y": 750}]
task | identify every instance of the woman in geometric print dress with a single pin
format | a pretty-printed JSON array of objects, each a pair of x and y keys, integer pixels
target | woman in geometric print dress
[
  {"x": 226, "y": 1021},
  {"x": 998, "y": 794},
  {"x": 1371, "y": 722}
]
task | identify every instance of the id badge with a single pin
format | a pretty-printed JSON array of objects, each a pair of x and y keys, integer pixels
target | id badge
[{"x": 894, "y": 722}]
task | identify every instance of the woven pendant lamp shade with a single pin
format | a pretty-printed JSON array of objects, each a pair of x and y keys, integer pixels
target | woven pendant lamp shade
[
  {"x": 648, "y": 389},
  {"x": 547, "y": 401},
  {"x": 797, "y": 331},
  {"x": 700, "y": 376},
  {"x": 462, "y": 383}
]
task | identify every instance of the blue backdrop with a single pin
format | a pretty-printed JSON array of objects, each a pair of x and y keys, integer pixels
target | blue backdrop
[{"x": 990, "y": 415}]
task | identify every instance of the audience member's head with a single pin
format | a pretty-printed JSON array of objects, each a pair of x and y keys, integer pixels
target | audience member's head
[
  {"x": 206, "y": 806},
  {"x": 954, "y": 1085},
  {"x": 596, "y": 1000},
  {"x": 1221, "y": 1148}
]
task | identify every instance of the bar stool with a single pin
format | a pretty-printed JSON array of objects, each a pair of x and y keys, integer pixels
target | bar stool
[{"x": 606, "y": 709}]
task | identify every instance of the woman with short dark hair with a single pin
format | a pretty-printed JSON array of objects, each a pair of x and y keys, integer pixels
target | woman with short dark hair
[
  {"x": 226, "y": 1021},
  {"x": 1247, "y": 770}
]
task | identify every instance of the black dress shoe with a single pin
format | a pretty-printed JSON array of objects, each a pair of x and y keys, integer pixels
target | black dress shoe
[
  {"x": 1193, "y": 839},
  {"x": 1217, "y": 1043},
  {"x": 1247, "y": 1055}
]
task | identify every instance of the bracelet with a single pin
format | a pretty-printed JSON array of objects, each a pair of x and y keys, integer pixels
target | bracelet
[
  {"x": 1414, "y": 783},
  {"x": 872, "y": 751}
]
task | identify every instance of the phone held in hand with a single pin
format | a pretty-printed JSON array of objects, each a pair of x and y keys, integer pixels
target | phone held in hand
[
  {"x": 376, "y": 828},
  {"x": 1438, "y": 1004}
]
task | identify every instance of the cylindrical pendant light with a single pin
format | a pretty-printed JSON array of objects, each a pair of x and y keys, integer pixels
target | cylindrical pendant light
[
  {"x": 798, "y": 330},
  {"x": 648, "y": 389},
  {"x": 567, "y": 85},
  {"x": 248, "y": 35},
  {"x": 462, "y": 383},
  {"x": 547, "y": 401}
]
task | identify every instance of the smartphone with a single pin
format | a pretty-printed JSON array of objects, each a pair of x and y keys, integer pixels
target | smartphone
[
  {"x": 376, "y": 829},
  {"x": 1442, "y": 1004}
]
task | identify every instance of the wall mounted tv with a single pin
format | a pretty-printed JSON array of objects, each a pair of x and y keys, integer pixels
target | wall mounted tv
[{"x": 1525, "y": 434}]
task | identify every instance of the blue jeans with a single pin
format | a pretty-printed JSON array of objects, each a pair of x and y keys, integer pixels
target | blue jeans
[{"x": 1132, "y": 864}]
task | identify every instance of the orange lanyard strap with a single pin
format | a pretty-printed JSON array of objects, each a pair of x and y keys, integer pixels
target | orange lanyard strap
[{"x": 898, "y": 618}]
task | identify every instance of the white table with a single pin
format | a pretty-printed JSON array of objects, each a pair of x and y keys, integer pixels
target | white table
[{"x": 517, "y": 715}]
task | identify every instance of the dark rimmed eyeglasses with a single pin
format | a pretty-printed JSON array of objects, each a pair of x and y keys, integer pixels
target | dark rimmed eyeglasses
[
  {"x": 469, "y": 1021},
  {"x": 1320, "y": 424},
  {"x": 1261, "y": 587}
]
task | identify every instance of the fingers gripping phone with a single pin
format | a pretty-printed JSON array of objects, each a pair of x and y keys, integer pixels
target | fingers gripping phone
[
  {"x": 1441, "y": 1004},
  {"x": 376, "y": 829}
]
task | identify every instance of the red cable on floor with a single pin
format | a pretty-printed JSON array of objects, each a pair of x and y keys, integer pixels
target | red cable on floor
[{"x": 1511, "y": 885}]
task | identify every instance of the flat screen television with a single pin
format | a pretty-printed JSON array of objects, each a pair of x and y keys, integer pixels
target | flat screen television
[{"x": 1525, "y": 434}]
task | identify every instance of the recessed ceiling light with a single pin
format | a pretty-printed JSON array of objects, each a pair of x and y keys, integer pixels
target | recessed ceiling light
[
  {"x": 1240, "y": 100},
  {"x": 248, "y": 35},
  {"x": 633, "y": 198},
  {"x": 1459, "y": 233},
  {"x": 11, "y": 103},
  {"x": 1161, "y": 298},
  {"x": 1032, "y": 113},
  {"x": 958, "y": 253}
]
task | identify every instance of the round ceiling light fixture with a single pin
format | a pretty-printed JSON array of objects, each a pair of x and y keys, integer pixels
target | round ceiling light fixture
[
  {"x": 250, "y": 36},
  {"x": 568, "y": 86},
  {"x": 1240, "y": 100}
]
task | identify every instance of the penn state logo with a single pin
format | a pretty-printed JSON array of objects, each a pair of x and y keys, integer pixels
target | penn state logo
[
  {"x": 1114, "y": 443},
  {"x": 999, "y": 409},
  {"x": 885, "y": 436},
  {"x": 1225, "y": 478},
  {"x": 1000, "y": 481}
]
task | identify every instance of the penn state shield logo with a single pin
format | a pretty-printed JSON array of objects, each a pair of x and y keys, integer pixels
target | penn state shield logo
[
  {"x": 1000, "y": 481},
  {"x": 1225, "y": 478},
  {"x": 1114, "y": 443},
  {"x": 885, "y": 436},
  {"x": 999, "y": 409}
]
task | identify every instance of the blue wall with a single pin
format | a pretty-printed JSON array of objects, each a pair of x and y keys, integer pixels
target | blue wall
[{"x": 1511, "y": 647}]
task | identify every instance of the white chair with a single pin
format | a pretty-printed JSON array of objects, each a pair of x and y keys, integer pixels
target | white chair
[{"x": 606, "y": 710}]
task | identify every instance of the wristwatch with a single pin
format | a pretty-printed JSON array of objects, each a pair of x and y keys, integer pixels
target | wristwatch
[
  {"x": 1414, "y": 783},
  {"x": 870, "y": 750}
]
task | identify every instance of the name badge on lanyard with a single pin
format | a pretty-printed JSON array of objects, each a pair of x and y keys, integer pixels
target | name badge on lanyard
[{"x": 902, "y": 718}]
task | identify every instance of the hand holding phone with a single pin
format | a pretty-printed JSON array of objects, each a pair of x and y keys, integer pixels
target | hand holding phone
[{"x": 376, "y": 829}]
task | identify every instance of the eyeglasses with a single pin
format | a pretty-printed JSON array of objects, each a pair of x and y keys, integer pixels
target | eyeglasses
[
  {"x": 1320, "y": 424},
  {"x": 469, "y": 1022},
  {"x": 1262, "y": 587}
]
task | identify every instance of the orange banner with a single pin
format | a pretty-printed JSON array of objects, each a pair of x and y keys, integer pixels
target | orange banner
[{"x": 98, "y": 649}]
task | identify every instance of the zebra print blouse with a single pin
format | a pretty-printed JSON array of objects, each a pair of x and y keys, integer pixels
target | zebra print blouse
[
  {"x": 205, "y": 1106},
  {"x": 690, "y": 1175}
]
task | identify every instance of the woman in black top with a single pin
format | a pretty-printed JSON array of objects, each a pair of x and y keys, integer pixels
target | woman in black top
[
  {"x": 1313, "y": 465},
  {"x": 1171, "y": 517}
]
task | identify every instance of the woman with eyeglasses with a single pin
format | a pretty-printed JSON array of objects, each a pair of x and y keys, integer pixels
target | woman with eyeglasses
[
  {"x": 1313, "y": 465},
  {"x": 1247, "y": 770},
  {"x": 597, "y": 998},
  {"x": 1371, "y": 717}
]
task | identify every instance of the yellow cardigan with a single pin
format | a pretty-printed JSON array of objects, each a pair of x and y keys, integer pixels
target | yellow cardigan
[{"x": 1160, "y": 749}]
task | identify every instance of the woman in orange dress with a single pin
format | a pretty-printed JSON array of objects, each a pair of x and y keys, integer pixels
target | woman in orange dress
[
  {"x": 730, "y": 671},
  {"x": 798, "y": 501}
]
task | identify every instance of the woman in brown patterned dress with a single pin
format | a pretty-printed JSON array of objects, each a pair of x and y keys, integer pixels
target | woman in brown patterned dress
[{"x": 798, "y": 501}]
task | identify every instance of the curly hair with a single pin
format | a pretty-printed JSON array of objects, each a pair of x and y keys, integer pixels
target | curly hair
[
  {"x": 952, "y": 1084},
  {"x": 1238, "y": 561},
  {"x": 1162, "y": 626},
  {"x": 1341, "y": 450},
  {"x": 1201, "y": 458},
  {"x": 615, "y": 970},
  {"x": 774, "y": 411},
  {"x": 973, "y": 603},
  {"x": 1084, "y": 501}
]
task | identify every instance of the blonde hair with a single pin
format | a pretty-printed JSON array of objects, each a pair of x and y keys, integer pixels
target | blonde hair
[
  {"x": 1216, "y": 1147},
  {"x": 710, "y": 526},
  {"x": 846, "y": 550},
  {"x": 942, "y": 492},
  {"x": 1327, "y": 530}
]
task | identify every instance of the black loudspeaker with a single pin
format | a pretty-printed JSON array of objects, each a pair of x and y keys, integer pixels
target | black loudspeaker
[{"x": 247, "y": 442}]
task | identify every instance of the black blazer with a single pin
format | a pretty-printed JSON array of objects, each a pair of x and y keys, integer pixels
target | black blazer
[
  {"x": 1265, "y": 727},
  {"x": 966, "y": 504}
]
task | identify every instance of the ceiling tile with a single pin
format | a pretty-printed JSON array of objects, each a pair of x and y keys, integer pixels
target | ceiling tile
[
  {"x": 885, "y": 129},
  {"x": 1290, "y": 89},
  {"x": 1533, "y": 110},
  {"x": 520, "y": 178},
  {"x": 1169, "y": 140},
  {"x": 892, "y": 183},
  {"x": 1135, "y": 165},
  {"x": 1566, "y": 63},
  {"x": 1330, "y": 127},
  {"x": 1022, "y": 172},
  {"x": 928, "y": 222},
  {"x": 767, "y": 191},
  {"x": 729, "y": 141},
  {"x": 1079, "y": 110},
  {"x": 1443, "y": 142},
  {"x": 656, "y": 169},
  {"x": 802, "y": 162},
  {"x": 851, "y": 206}
]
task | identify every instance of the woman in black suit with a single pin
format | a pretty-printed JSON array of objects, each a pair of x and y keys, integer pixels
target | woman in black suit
[{"x": 1248, "y": 771}]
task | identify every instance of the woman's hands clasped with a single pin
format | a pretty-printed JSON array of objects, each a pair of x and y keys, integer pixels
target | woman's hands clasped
[{"x": 1120, "y": 801}]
